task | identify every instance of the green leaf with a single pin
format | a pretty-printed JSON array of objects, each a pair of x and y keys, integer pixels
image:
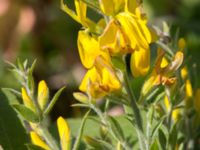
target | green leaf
[
  {"x": 12, "y": 134},
  {"x": 156, "y": 127},
  {"x": 53, "y": 101},
  {"x": 80, "y": 105},
  {"x": 94, "y": 143},
  {"x": 80, "y": 132},
  {"x": 94, "y": 4},
  {"x": 26, "y": 113},
  {"x": 98, "y": 144},
  {"x": 12, "y": 99},
  {"x": 33, "y": 66},
  {"x": 69, "y": 11},
  {"x": 116, "y": 128},
  {"x": 81, "y": 97},
  {"x": 34, "y": 147},
  {"x": 155, "y": 146},
  {"x": 19, "y": 64},
  {"x": 118, "y": 63},
  {"x": 173, "y": 137},
  {"x": 162, "y": 139}
]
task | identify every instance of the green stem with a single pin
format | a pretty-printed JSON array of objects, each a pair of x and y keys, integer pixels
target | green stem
[
  {"x": 169, "y": 118},
  {"x": 165, "y": 47},
  {"x": 133, "y": 103},
  {"x": 80, "y": 132},
  {"x": 43, "y": 131}
]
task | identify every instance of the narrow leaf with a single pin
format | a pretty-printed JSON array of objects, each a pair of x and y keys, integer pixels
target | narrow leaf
[
  {"x": 173, "y": 137},
  {"x": 162, "y": 139},
  {"x": 53, "y": 101},
  {"x": 26, "y": 113},
  {"x": 116, "y": 128},
  {"x": 155, "y": 146},
  {"x": 80, "y": 132},
  {"x": 33, "y": 147},
  {"x": 12, "y": 99}
]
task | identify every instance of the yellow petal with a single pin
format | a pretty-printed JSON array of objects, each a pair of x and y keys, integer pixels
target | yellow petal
[
  {"x": 114, "y": 40},
  {"x": 131, "y": 5},
  {"x": 107, "y": 74},
  {"x": 27, "y": 100},
  {"x": 175, "y": 113},
  {"x": 184, "y": 73},
  {"x": 164, "y": 63},
  {"x": 81, "y": 10},
  {"x": 188, "y": 88},
  {"x": 111, "y": 7},
  {"x": 167, "y": 104},
  {"x": 43, "y": 94},
  {"x": 135, "y": 29},
  {"x": 100, "y": 80},
  {"x": 177, "y": 62},
  {"x": 36, "y": 140},
  {"x": 64, "y": 133},
  {"x": 89, "y": 49},
  {"x": 149, "y": 83},
  {"x": 181, "y": 43},
  {"x": 140, "y": 62}
]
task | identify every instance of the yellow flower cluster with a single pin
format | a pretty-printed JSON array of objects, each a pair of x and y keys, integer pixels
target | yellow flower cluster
[{"x": 122, "y": 29}]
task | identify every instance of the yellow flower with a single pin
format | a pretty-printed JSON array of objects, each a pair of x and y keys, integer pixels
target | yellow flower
[
  {"x": 176, "y": 113},
  {"x": 100, "y": 80},
  {"x": 184, "y": 73},
  {"x": 126, "y": 33},
  {"x": 163, "y": 71},
  {"x": 36, "y": 140},
  {"x": 181, "y": 44},
  {"x": 131, "y": 5},
  {"x": 111, "y": 7},
  {"x": 89, "y": 49},
  {"x": 140, "y": 62},
  {"x": 114, "y": 39},
  {"x": 188, "y": 89},
  {"x": 64, "y": 133},
  {"x": 197, "y": 101},
  {"x": 136, "y": 31},
  {"x": 164, "y": 74},
  {"x": 28, "y": 102},
  {"x": 43, "y": 94}
]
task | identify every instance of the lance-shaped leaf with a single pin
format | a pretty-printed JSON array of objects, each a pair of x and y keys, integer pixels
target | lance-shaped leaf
[
  {"x": 12, "y": 99},
  {"x": 26, "y": 113},
  {"x": 53, "y": 101}
]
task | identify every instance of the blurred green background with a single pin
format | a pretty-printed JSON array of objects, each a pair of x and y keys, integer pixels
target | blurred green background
[{"x": 38, "y": 29}]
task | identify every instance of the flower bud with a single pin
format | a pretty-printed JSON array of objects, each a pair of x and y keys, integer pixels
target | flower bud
[
  {"x": 27, "y": 100},
  {"x": 43, "y": 94}
]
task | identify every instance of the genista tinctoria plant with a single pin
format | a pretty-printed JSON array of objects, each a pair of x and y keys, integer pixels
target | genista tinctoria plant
[{"x": 159, "y": 99}]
